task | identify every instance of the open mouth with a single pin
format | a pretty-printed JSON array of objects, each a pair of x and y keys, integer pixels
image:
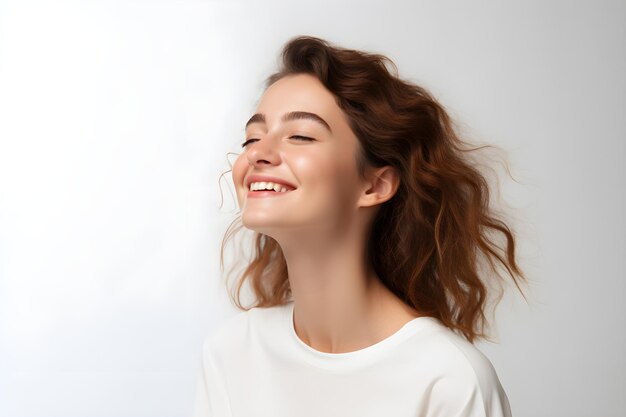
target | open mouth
[
  {"x": 259, "y": 188},
  {"x": 267, "y": 193}
]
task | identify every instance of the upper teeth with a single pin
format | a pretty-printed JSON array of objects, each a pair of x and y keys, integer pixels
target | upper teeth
[{"x": 254, "y": 186}]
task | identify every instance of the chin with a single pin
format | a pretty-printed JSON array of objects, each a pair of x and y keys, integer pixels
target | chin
[
  {"x": 259, "y": 225},
  {"x": 265, "y": 226}
]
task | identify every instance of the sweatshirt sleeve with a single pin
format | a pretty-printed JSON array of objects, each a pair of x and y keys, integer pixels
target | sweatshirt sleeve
[{"x": 211, "y": 399}]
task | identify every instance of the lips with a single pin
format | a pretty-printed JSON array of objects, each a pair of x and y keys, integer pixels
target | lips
[{"x": 267, "y": 178}]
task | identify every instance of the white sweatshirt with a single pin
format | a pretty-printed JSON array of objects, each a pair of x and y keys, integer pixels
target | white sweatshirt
[{"x": 254, "y": 364}]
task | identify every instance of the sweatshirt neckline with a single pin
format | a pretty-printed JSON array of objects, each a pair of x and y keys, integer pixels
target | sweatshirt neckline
[{"x": 353, "y": 359}]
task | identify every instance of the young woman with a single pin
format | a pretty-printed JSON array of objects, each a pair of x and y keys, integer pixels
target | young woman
[{"x": 372, "y": 230}]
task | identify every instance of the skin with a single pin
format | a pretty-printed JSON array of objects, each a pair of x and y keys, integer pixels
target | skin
[{"x": 340, "y": 305}]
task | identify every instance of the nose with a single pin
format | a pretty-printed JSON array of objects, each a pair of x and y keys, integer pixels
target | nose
[{"x": 263, "y": 151}]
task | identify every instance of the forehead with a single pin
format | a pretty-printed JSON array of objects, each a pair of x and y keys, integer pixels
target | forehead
[{"x": 300, "y": 92}]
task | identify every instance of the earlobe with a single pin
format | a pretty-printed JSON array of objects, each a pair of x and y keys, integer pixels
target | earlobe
[{"x": 382, "y": 186}]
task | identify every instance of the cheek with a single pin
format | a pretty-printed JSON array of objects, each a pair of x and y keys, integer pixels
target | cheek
[
  {"x": 317, "y": 171},
  {"x": 329, "y": 177},
  {"x": 239, "y": 169}
]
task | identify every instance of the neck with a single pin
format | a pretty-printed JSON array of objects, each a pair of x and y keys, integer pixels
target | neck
[{"x": 340, "y": 305}]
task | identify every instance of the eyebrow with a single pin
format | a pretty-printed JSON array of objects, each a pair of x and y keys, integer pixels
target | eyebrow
[{"x": 294, "y": 115}]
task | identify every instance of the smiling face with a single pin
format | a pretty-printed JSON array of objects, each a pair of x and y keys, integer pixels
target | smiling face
[{"x": 314, "y": 150}]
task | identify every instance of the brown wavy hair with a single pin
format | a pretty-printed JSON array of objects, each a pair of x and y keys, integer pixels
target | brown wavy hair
[{"x": 428, "y": 243}]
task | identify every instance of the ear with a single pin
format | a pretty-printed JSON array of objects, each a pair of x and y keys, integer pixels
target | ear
[{"x": 380, "y": 186}]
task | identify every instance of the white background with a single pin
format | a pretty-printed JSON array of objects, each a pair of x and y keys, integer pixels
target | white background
[{"x": 115, "y": 122}]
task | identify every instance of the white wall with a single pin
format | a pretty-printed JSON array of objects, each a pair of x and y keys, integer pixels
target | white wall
[{"x": 115, "y": 121}]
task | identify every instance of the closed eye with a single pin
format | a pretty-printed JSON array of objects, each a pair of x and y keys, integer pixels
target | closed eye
[
  {"x": 299, "y": 137},
  {"x": 243, "y": 145}
]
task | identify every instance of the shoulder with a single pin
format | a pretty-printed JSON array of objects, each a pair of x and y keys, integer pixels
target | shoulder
[
  {"x": 241, "y": 328},
  {"x": 465, "y": 382},
  {"x": 475, "y": 365},
  {"x": 227, "y": 326}
]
